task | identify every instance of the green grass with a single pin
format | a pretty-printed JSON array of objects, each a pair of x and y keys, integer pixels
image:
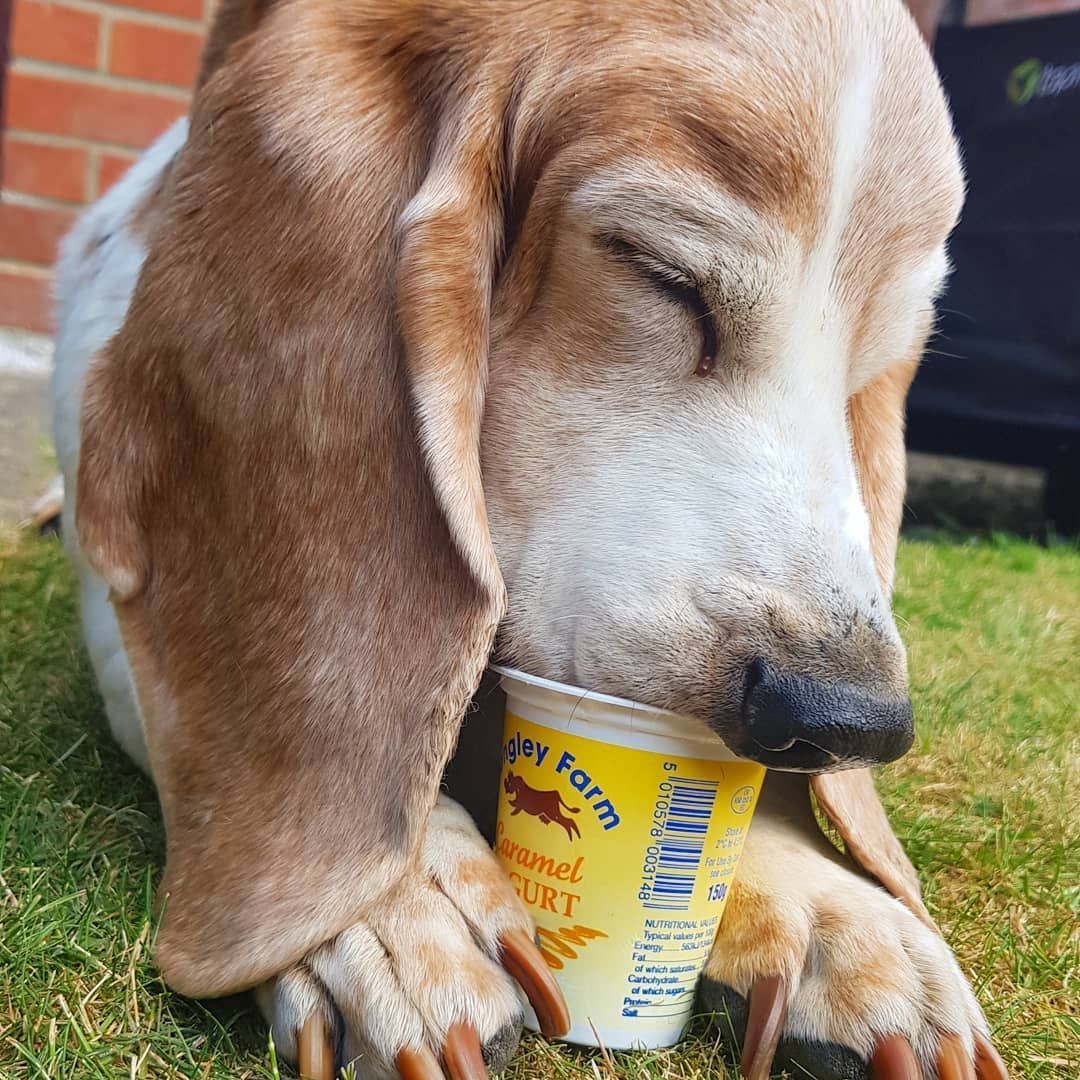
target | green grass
[{"x": 988, "y": 804}]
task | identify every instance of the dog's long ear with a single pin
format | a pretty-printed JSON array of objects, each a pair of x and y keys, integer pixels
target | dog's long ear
[
  {"x": 280, "y": 480},
  {"x": 849, "y": 798}
]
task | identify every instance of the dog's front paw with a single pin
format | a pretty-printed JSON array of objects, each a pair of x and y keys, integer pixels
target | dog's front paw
[
  {"x": 423, "y": 984},
  {"x": 818, "y": 971}
]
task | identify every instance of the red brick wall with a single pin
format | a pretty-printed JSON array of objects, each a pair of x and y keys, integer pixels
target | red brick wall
[{"x": 90, "y": 83}]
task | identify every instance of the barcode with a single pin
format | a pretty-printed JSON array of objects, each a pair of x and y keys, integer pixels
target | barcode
[{"x": 681, "y": 843}]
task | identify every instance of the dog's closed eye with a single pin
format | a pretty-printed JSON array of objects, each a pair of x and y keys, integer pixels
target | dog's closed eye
[{"x": 674, "y": 284}]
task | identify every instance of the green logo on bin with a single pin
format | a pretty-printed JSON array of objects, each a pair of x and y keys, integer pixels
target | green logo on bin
[{"x": 1023, "y": 81}]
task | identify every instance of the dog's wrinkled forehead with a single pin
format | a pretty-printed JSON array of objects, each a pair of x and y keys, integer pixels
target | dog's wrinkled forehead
[{"x": 751, "y": 154}]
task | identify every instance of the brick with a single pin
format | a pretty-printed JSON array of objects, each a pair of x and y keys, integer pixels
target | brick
[
  {"x": 53, "y": 172},
  {"x": 51, "y": 31},
  {"x": 110, "y": 168},
  {"x": 41, "y": 103},
  {"x": 186, "y": 9},
  {"x": 157, "y": 53},
  {"x": 25, "y": 301},
  {"x": 32, "y": 233}
]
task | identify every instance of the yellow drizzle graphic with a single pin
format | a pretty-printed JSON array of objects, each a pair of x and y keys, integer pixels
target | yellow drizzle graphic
[{"x": 561, "y": 941}]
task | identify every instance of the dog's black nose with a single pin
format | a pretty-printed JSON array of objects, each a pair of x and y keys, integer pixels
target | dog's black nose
[{"x": 794, "y": 721}]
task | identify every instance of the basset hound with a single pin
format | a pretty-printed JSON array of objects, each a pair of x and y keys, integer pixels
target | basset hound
[{"x": 573, "y": 332}]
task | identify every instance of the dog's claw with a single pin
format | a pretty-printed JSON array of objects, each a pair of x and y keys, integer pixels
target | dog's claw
[
  {"x": 893, "y": 1059},
  {"x": 952, "y": 1060},
  {"x": 988, "y": 1063},
  {"x": 315, "y": 1050},
  {"x": 418, "y": 1065},
  {"x": 524, "y": 961},
  {"x": 462, "y": 1055},
  {"x": 764, "y": 1024}
]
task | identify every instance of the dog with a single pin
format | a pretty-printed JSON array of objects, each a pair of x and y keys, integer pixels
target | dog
[{"x": 573, "y": 332}]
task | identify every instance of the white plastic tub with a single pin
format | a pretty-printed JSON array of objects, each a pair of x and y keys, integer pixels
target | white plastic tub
[{"x": 620, "y": 826}]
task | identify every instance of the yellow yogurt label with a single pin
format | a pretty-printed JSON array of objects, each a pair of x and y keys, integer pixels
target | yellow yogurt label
[{"x": 624, "y": 858}]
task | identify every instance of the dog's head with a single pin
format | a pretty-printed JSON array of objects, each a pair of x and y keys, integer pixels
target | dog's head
[
  {"x": 613, "y": 304},
  {"x": 726, "y": 233}
]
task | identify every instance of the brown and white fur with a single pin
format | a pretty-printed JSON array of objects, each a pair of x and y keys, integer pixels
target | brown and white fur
[{"x": 356, "y": 371}]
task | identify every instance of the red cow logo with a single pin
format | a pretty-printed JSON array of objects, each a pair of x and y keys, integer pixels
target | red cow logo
[{"x": 546, "y": 805}]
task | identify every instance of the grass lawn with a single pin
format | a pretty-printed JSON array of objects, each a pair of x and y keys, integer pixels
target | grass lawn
[{"x": 988, "y": 804}]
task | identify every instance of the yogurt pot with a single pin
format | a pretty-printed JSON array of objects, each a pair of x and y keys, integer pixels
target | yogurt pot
[{"x": 620, "y": 826}]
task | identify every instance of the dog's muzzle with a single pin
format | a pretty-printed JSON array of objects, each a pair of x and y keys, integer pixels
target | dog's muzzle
[{"x": 792, "y": 721}]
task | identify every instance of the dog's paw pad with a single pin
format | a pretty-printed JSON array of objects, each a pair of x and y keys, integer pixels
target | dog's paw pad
[
  {"x": 821, "y": 1060},
  {"x": 501, "y": 1047}
]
